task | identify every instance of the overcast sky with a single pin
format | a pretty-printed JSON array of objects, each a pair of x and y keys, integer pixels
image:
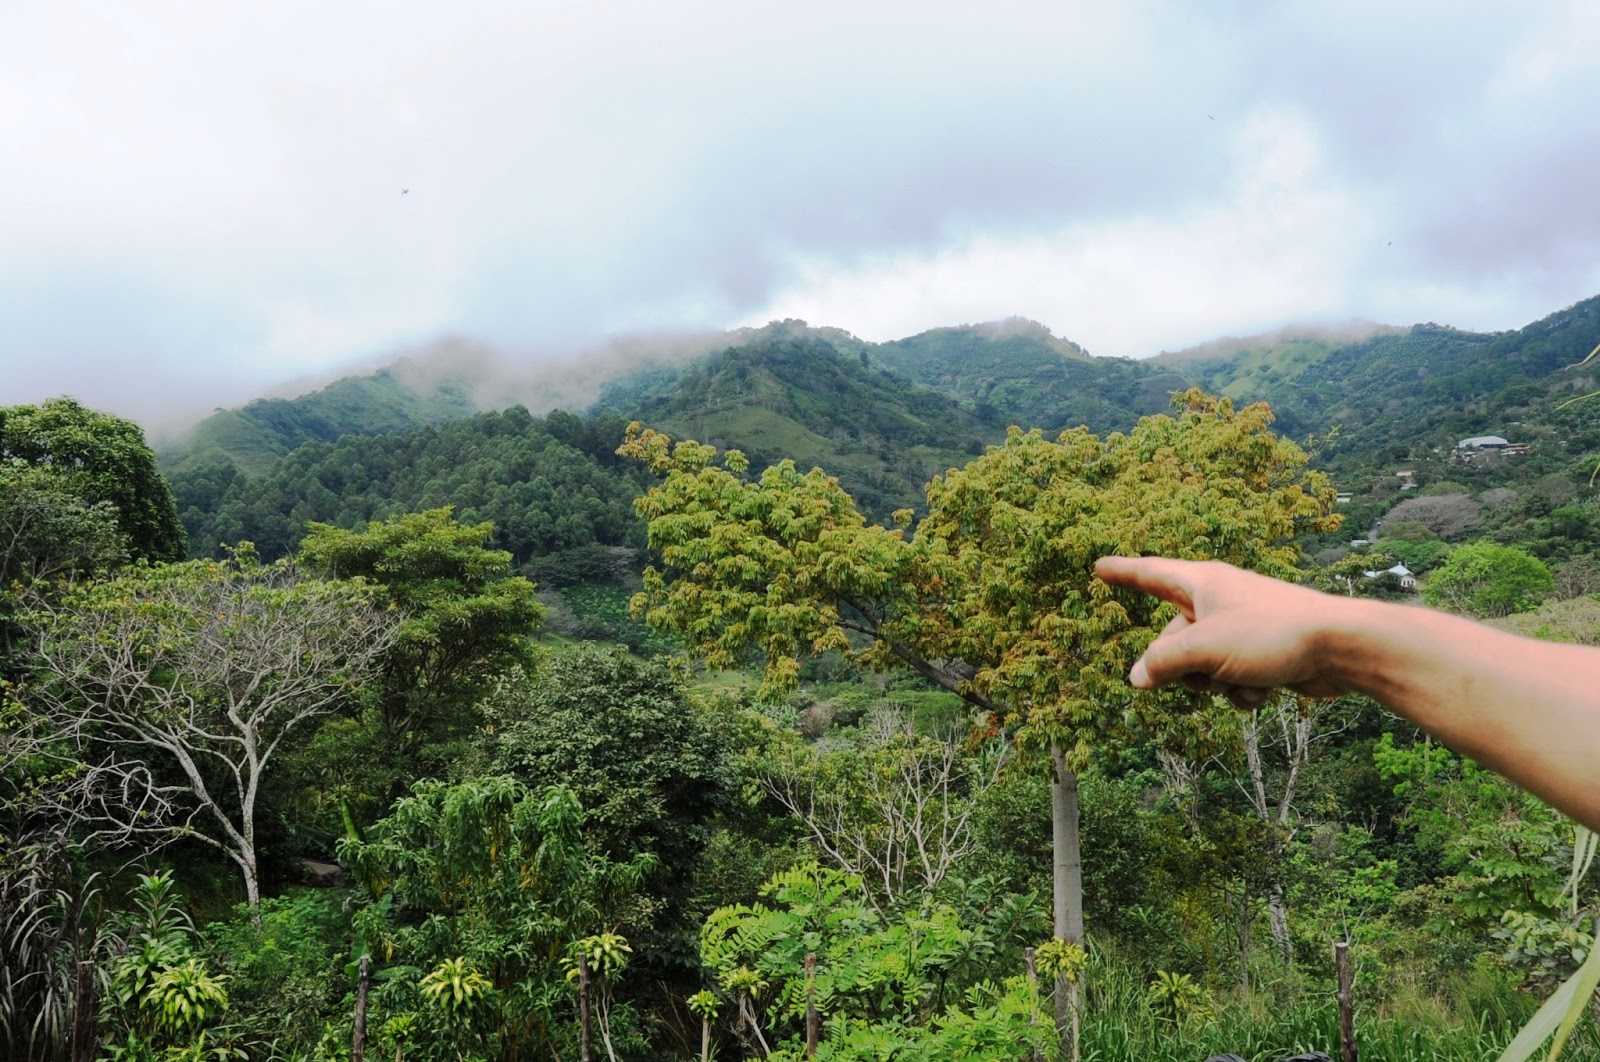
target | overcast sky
[{"x": 199, "y": 201}]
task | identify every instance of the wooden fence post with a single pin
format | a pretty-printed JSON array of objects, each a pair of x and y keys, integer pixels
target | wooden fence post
[
  {"x": 1032, "y": 967},
  {"x": 83, "y": 1045},
  {"x": 585, "y": 1046},
  {"x": 811, "y": 1005},
  {"x": 358, "y": 1034},
  {"x": 1347, "y": 1007}
]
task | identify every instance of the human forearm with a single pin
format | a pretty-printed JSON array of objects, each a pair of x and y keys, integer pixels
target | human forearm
[{"x": 1529, "y": 710}]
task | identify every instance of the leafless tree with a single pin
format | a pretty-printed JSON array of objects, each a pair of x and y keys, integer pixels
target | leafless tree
[
  {"x": 1446, "y": 515},
  {"x": 1293, "y": 726},
  {"x": 899, "y": 812},
  {"x": 1497, "y": 498},
  {"x": 167, "y": 694},
  {"x": 1578, "y": 577}
]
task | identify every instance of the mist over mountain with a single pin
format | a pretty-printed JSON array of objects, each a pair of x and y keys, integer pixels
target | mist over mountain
[
  {"x": 447, "y": 426},
  {"x": 1363, "y": 377}
]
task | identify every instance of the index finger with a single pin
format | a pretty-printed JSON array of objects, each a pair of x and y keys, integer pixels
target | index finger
[{"x": 1171, "y": 580}]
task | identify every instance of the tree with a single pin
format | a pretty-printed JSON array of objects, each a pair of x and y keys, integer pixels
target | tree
[
  {"x": 1293, "y": 725},
  {"x": 896, "y": 984},
  {"x": 644, "y": 759},
  {"x": 1575, "y": 620},
  {"x": 994, "y": 596},
  {"x": 170, "y": 691},
  {"x": 1418, "y": 555},
  {"x": 48, "y": 532},
  {"x": 491, "y": 876},
  {"x": 894, "y": 813},
  {"x": 465, "y": 616},
  {"x": 99, "y": 458},
  {"x": 1483, "y": 579},
  {"x": 1446, "y": 515}
]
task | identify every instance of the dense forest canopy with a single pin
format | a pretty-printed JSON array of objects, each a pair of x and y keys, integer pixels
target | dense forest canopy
[{"x": 386, "y": 709}]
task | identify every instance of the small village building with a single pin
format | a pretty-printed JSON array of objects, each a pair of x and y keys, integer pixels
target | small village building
[
  {"x": 1408, "y": 580},
  {"x": 1483, "y": 442}
]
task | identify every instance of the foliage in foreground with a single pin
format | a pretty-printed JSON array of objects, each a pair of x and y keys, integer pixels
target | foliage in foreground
[{"x": 483, "y": 887}]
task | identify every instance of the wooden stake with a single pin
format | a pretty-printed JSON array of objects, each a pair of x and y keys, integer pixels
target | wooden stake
[
  {"x": 585, "y": 1046},
  {"x": 811, "y": 1005},
  {"x": 1032, "y": 966},
  {"x": 358, "y": 1035},
  {"x": 1347, "y": 1007},
  {"x": 1077, "y": 1018},
  {"x": 83, "y": 1045}
]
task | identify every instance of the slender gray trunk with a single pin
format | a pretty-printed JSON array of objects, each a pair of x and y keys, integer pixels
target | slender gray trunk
[
  {"x": 1244, "y": 940},
  {"x": 1297, "y": 735},
  {"x": 1278, "y": 913},
  {"x": 1067, "y": 891},
  {"x": 246, "y": 858}
]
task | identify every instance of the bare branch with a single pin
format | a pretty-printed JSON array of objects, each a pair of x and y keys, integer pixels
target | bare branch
[
  {"x": 172, "y": 682},
  {"x": 901, "y": 818}
]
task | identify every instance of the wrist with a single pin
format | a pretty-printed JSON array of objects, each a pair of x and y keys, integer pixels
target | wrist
[{"x": 1355, "y": 642}]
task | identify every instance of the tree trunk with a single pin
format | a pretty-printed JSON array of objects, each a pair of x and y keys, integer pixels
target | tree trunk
[
  {"x": 1244, "y": 939},
  {"x": 252, "y": 884},
  {"x": 1346, "y": 998},
  {"x": 1067, "y": 891},
  {"x": 83, "y": 1045},
  {"x": 1278, "y": 912},
  {"x": 1277, "y": 904},
  {"x": 585, "y": 1050},
  {"x": 358, "y": 1032}
]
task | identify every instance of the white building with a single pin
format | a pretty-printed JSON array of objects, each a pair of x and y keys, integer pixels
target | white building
[{"x": 1408, "y": 581}]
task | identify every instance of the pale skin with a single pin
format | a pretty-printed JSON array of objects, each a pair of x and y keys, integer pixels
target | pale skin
[{"x": 1529, "y": 710}]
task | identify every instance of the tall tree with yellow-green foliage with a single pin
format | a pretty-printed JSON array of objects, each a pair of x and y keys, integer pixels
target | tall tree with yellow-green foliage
[{"x": 992, "y": 595}]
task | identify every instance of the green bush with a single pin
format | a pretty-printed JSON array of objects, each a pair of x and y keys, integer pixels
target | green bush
[{"x": 286, "y": 975}]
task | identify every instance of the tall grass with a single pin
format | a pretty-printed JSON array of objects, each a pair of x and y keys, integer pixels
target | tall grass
[{"x": 1276, "y": 1021}]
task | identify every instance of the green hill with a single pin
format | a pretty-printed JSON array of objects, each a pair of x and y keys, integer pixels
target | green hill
[
  {"x": 884, "y": 417},
  {"x": 1017, "y": 372},
  {"x": 255, "y": 436},
  {"x": 817, "y": 396},
  {"x": 1265, "y": 367},
  {"x": 550, "y": 486}
]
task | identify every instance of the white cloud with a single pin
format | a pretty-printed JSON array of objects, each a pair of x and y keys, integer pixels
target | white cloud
[
  {"x": 1277, "y": 247},
  {"x": 203, "y": 197}
]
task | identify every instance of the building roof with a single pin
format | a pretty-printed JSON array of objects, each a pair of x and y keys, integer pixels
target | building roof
[
  {"x": 1399, "y": 569},
  {"x": 1481, "y": 440}
]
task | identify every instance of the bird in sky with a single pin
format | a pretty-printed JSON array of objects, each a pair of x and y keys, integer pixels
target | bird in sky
[{"x": 405, "y": 191}]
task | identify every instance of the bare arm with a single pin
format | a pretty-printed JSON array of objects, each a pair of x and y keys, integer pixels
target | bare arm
[{"x": 1529, "y": 710}]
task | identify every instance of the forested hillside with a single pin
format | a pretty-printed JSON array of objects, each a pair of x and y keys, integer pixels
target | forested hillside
[
  {"x": 1016, "y": 372},
  {"x": 408, "y": 757},
  {"x": 255, "y": 436},
  {"x": 549, "y": 485}
]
